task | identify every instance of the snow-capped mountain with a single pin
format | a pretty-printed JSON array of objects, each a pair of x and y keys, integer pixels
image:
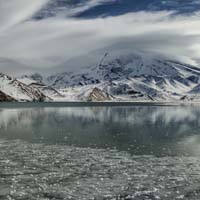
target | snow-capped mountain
[
  {"x": 127, "y": 77},
  {"x": 130, "y": 77},
  {"x": 12, "y": 89}
]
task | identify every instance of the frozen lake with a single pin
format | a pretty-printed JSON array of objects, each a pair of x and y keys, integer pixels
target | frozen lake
[{"x": 58, "y": 151}]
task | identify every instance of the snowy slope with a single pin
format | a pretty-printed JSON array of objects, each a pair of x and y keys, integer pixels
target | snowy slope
[
  {"x": 122, "y": 67},
  {"x": 123, "y": 77},
  {"x": 19, "y": 91},
  {"x": 36, "y": 81},
  {"x": 133, "y": 76}
]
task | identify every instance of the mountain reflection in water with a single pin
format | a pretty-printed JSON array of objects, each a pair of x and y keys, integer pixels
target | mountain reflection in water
[{"x": 139, "y": 130}]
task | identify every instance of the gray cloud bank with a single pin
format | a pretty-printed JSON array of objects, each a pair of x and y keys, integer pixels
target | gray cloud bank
[{"x": 61, "y": 44}]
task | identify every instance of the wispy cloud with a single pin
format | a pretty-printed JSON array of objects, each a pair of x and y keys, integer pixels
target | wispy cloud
[
  {"x": 48, "y": 43},
  {"x": 12, "y": 12}
]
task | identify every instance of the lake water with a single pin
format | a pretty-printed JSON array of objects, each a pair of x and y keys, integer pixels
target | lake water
[{"x": 99, "y": 151}]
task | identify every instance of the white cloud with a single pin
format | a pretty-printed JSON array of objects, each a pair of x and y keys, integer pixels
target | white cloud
[
  {"x": 13, "y": 12},
  {"x": 49, "y": 43},
  {"x": 85, "y": 6}
]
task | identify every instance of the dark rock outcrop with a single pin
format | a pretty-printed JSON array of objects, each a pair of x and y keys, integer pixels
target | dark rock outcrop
[
  {"x": 5, "y": 97},
  {"x": 98, "y": 95}
]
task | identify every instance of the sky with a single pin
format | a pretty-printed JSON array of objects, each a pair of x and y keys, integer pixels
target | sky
[{"x": 50, "y": 36}]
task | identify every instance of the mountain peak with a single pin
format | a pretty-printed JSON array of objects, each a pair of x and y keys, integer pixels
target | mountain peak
[{"x": 124, "y": 76}]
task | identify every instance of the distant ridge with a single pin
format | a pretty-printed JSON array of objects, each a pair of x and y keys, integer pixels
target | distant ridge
[{"x": 124, "y": 77}]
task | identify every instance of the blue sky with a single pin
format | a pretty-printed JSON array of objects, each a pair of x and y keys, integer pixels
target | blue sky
[
  {"x": 106, "y": 8},
  {"x": 53, "y": 35}
]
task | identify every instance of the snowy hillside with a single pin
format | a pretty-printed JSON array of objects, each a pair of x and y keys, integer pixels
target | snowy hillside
[
  {"x": 116, "y": 77},
  {"x": 36, "y": 81},
  {"x": 13, "y": 90},
  {"x": 131, "y": 77}
]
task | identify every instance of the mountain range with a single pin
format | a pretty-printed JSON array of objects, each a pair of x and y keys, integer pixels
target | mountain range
[{"x": 116, "y": 77}]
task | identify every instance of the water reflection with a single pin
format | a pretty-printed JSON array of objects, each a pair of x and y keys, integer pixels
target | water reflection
[{"x": 156, "y": 130}]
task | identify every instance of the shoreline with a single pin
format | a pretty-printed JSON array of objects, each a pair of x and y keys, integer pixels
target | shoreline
[{"x": 94, "y": 104}]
